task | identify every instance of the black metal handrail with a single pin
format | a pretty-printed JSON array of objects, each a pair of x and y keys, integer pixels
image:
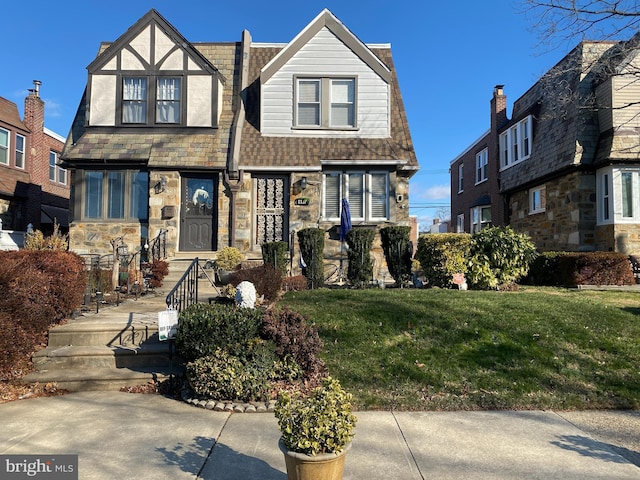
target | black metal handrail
[
  {"x": 158, "y": 246},
  {"x": 185, "y": 292}
]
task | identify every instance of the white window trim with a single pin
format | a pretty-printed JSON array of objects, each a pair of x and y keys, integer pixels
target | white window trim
[
  {"x": 613, "y": 177},
  {"x": 482, "y": 166},
  {"x": 460, "y": 223},
  {"x": 479, "y": 225},
  {"x": 461, "y": 178},
  {"x": 7, "y": 147},
  {"x": 508, "y": 144},
  {"x": 542, "y": 191},
  {"x": 23, "y": 152},
  {"x": 326, "y": 103}
]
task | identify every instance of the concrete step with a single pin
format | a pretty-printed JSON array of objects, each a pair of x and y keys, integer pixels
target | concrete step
[
  {"x": 78, "y": 357},
  {"x": 82, "y": 379},
  {"x": 103, "y": 333}
]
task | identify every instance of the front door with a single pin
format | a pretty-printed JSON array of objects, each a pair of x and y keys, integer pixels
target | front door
[
  {"x": 272, "y": 201},
  {"x": 198, "y": 213}
]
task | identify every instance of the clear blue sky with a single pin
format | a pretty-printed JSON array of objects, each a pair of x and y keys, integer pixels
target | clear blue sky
[{"x": 448, "y": 56}]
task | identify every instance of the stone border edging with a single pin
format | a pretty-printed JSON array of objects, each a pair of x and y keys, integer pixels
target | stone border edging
[{"x": 226, "y": 405}]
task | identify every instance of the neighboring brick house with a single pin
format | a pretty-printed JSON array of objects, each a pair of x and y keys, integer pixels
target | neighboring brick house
[
  {"x": 34, "y": 189},
  {"x": 236, "y": 143},
  {"x": 564, "y": 169}
]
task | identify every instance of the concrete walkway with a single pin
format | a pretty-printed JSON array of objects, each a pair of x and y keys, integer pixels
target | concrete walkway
[{"x": 124, "y": 436}]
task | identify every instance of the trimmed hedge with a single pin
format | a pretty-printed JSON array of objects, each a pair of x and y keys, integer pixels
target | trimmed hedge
[
  {"x": 581, "y": 268},
  {"x": 275, "y": 254},
  {"x": 398, "y": 252},
  {"x": 40, "y": 288},
  {"x": 203, "y": 329},
  {"x": 311, "y": 241},
  {"x": 441, "y": 255},
  {"x": 360, "y": 268}
]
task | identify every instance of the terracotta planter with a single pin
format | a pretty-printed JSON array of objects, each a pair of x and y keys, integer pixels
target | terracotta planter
[{"x": 324, "y": 466}]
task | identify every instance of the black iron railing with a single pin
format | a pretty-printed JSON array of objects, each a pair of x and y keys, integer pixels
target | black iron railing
[
  {"x": 158, "y": 246},
  {"x": 185, "y": 292}
]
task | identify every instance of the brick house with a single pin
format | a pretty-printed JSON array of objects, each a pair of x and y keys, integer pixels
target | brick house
[
  {"x": 564, "y": 169},
  {"x": 236, "y": 143},
  {"x": 34, "y": 189}
]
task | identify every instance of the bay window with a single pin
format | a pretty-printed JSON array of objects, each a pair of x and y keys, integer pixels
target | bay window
[
  {"x": 618, "y": 195},
  {"x": 367, "y": 193},
  {"x": 115, "y": 194}
]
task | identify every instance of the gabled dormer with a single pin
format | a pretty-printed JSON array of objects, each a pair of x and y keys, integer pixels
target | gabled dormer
[
  {"x": 325, "y": 82},
  {"x": 153, "y": 77}
]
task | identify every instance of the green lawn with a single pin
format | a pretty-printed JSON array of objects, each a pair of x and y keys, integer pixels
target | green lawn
[{"x": 537, "y": 348}]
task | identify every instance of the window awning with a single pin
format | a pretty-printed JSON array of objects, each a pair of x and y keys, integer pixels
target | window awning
[
  {"x": 482, "y": 201},
  {"x": 49, "y": 213}
]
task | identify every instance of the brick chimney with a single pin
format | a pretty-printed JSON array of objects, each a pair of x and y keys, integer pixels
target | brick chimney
[
  {"x": 498, "y": 108},
  {"x": 34, "y": 121}
]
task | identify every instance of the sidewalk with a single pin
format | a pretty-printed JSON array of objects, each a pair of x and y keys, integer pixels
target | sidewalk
[{"x": 125, "y": 436}]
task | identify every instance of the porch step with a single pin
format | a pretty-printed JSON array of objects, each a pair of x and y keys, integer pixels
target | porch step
[
  {"x": 99, "y": 333},
  {"x": 76, "y": 357},
  {"x": 82, "y": 379}
]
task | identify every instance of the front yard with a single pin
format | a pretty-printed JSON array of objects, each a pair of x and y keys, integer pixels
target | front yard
[{"x": 536, "y": 348}]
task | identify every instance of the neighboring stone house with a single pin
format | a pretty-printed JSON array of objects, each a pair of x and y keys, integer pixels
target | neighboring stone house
[
  {"x": 564, "y": 169},
  {"x": 236, "y": 143},
  {"x": 34, "y": 189}
]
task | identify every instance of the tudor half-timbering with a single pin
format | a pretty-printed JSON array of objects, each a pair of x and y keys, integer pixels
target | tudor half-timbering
[{"x": 236, "y": 143}]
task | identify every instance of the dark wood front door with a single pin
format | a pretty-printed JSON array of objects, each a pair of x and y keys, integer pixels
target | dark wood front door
[{"x": 198, "y": 215}]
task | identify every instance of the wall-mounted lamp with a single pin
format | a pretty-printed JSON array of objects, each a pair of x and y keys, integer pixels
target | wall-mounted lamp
[
  {"x": 303, "y": 183},
  {"x": 161, "y": 185}
]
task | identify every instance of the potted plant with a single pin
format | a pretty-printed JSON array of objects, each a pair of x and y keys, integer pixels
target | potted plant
[
  {"x": 316, "y": 431},
  {"x": 228, "y": 260}
]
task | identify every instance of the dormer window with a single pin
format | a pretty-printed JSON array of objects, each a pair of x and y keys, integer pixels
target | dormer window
[
  {"x": 134, "y": 100},
  {"x": 168, "y": 100},
  {"x": 167, "y": 92},
  {"x": 326, "y": 103}
]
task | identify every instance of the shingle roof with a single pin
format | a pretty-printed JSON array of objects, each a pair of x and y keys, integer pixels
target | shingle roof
[
  {"x": 9, "y": 114},
  {"x": 260, "y": 151}
]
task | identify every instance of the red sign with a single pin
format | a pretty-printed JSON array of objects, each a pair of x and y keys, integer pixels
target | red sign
[{"x": 458, "y": 278}]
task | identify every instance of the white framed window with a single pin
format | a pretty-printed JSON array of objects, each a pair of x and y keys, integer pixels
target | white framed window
[
  {"x": 461, "y": 178},
  {"x": 515, "y": 143},
  {"x": 460, "y": 223},
  {"x": 482, "y": 160},
  {"x": 367, "y": 192},
  {"x": 537, "y": 200},
  {"x": 325, "y": 103},
  {"x": 4, "y": 146},
  {"x": 53, "y": 160},
  {"x": 480, "y": 218},
  {"x": 56, "y": 172},
  {"x": 20, "y": 146},
  {"x": 618, "y": 195},
  {"x": 115, "y": 194}
]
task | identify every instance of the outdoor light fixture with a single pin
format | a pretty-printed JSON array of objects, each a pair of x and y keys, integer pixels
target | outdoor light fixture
[
  {"x": 303, "y": 183},
  {"x": 161, "y": 185}
]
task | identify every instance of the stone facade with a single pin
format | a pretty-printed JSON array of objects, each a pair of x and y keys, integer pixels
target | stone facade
[{"x": 568, "y": 222}]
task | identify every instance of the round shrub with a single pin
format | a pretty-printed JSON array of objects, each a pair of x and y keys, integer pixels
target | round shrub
[{"x": 499, "y": 256}]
